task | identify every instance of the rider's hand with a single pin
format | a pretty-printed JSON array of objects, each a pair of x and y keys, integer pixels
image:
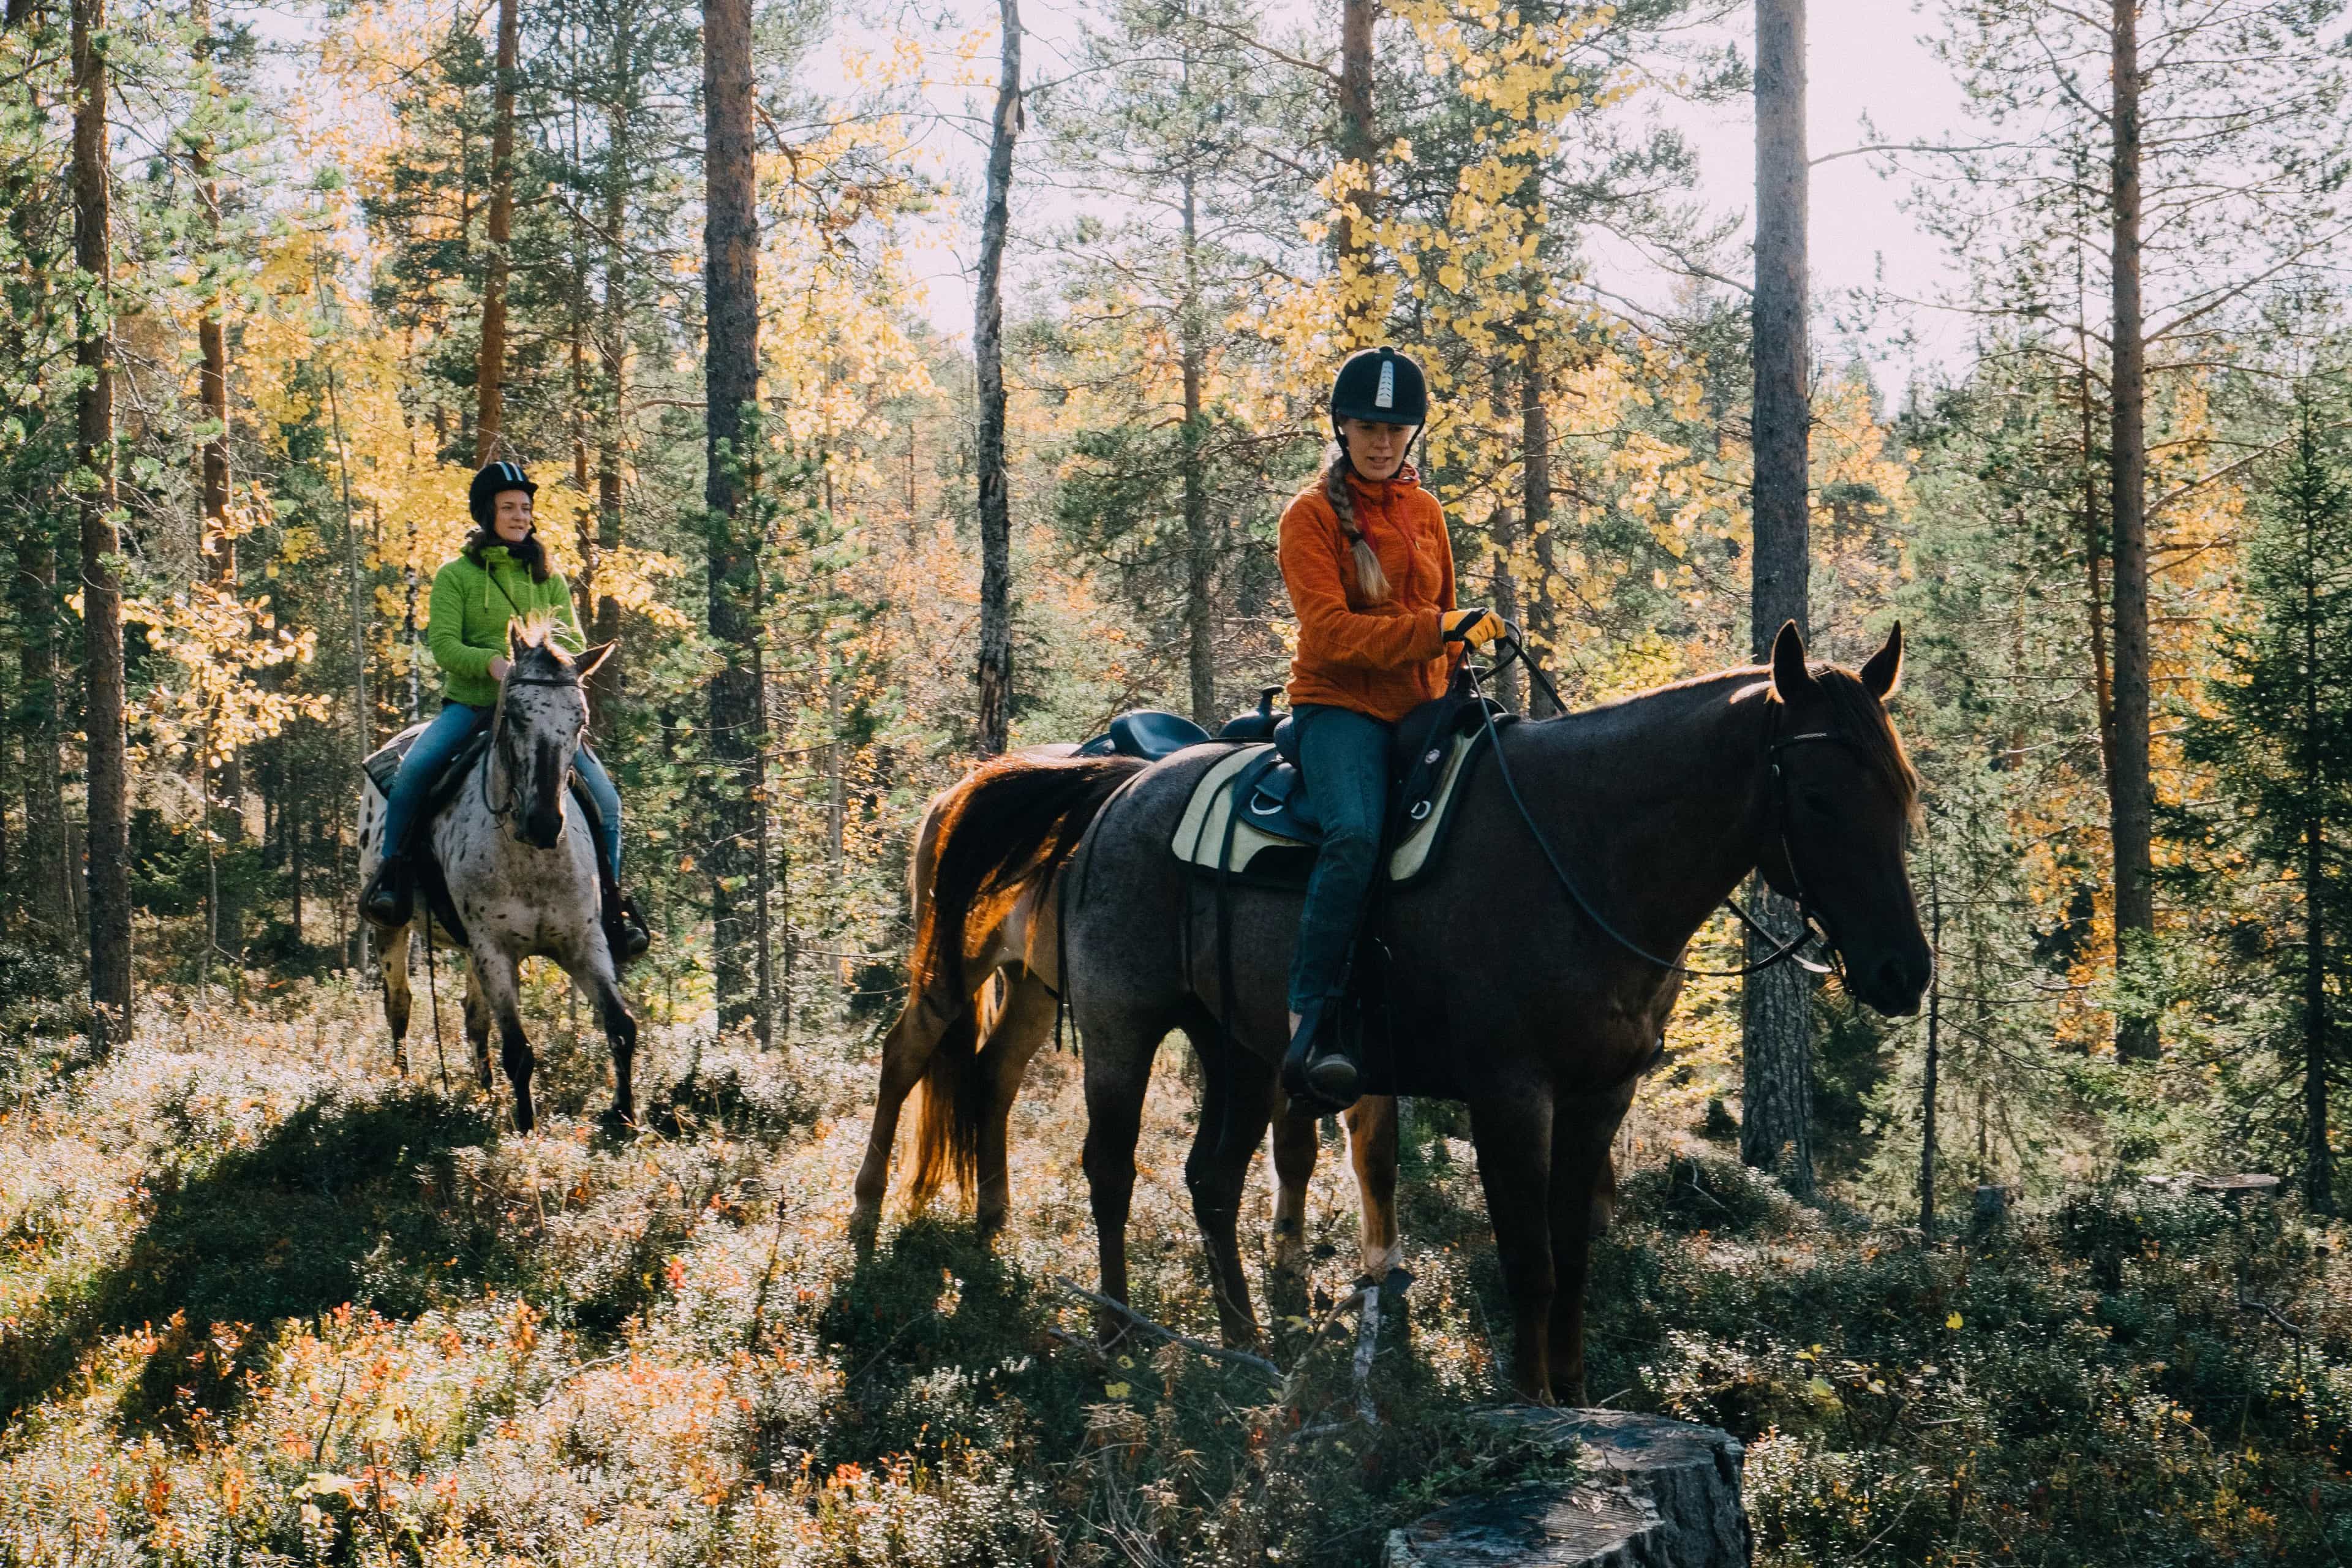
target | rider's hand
[
  {"x": 1476, "y": 627},
  {"x": 499, "y": 667}
]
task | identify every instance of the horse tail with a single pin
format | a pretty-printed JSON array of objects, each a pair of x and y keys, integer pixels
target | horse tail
[
  {"x": 955, "y": 1092},
  {"x": 1014, "y": 821}
]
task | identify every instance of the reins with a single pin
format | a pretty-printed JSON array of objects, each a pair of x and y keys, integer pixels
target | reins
[{"x": 1787, "y": 951}]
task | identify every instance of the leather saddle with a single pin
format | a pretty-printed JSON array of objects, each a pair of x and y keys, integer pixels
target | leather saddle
[
  {"x": 1252, "y": 815},
  {"x": 383, "y": 764}
]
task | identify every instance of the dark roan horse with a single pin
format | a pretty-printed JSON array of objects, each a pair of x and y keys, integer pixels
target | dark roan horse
[{"x": 1505, "y": 991}]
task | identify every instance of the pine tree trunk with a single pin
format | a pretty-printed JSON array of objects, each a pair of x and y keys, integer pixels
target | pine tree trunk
[
  {"x": 2319, "y": 1162},
  {"x": 224, "y": 805},
  {"x": 606, "y": 686},
  {"x": 2133, "y": 801},
  {"x": 47, "y": 867},
  {"x": 489, "y": 373},
  {"x": 1535, "y": 456},
  {"x": 1503, "y": 536},
  {"x": 1359, "y": 144},
  {"x": 1200, "y": 544},
  {"x": 1776, "y": 1129},
  {"x": 731, "y": 361},
  {"x": 109, "y": 846},
  {"x": 995, "y": 717}
]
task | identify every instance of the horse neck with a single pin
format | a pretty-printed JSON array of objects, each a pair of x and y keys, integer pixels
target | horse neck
[{"x": 1656, "y": 804}]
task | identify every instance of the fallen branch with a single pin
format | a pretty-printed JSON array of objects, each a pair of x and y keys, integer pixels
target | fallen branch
[{"x": 1138, "y": 1320}]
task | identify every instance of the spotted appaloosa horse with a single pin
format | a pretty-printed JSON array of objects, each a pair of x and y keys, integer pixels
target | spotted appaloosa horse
[
  {"x": 970, "y": 1027},
  {"x": 519, "y": 859}
]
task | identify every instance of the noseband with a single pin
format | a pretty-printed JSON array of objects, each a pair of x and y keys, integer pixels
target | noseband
[{"x": 498, "y": 739}]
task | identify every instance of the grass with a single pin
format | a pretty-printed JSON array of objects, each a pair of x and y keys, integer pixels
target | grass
[{"x": 261, "y": 1302}]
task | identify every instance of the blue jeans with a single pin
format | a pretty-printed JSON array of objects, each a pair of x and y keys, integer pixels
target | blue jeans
[
  {"x": 1345, "y": 757},
  {"x": 444, "y": 738}
]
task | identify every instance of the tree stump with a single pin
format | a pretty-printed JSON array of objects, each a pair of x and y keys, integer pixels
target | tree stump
[{"x": 1655, "y": 1493}]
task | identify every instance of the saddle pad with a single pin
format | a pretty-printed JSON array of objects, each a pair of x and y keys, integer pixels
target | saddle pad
[
  {"x": 1202, "y": 832},
  {"x": 382, "y": 764}
]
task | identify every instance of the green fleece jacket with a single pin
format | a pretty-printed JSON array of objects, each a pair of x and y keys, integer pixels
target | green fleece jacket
[{"x": 466, "y": 624}]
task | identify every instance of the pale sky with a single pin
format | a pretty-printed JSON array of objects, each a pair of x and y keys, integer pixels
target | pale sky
[{"x": 1865, "y": 58}]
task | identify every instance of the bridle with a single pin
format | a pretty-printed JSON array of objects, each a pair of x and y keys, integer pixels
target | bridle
[
  {"x": 502, "y": 811},
  {"x": 1813, "y": 926}
]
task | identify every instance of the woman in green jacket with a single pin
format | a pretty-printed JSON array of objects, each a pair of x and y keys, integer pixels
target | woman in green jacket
[{"x": 501, "y": 575}]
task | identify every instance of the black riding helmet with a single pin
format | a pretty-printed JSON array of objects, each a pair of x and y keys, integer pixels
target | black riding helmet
[
  {"x": 482, "y": 498},
  {"x": 1379, "y": 386}
]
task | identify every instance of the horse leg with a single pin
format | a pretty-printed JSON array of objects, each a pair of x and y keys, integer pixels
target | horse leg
[
  {"x": 478, "y": 1024},
  {"x": 1371, "y": 1124},
  {"x": 1295, "y": 1140},
  {"x": 391, "y": 964},
  {"x": 501, "y": 989},
  {"x": 1583, "y": 1199},
  {"x": 1236, "y": 1102},
  {"x": 1021, "y": 1024},
  {"x": 1514, "y": 1138},
  {"x": 1119, "y": 1072},
  {"x": 905, "y": 1052},
  {"x": 621, "y": 1034}
]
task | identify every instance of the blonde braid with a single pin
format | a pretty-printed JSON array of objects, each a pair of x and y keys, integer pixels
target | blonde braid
[{"x": 1370, "y": 580}]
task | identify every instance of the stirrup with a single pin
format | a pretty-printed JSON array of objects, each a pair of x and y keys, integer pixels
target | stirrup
[
  {"x": 389, "y": 901},
  {"x": 625, "y": 931},
  {"x": 1300, "y": 1063}
]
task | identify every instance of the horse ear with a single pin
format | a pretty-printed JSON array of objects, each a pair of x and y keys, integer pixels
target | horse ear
[
  {"x": 591, "y": 657},
  {"x": 1883, "y": 673},
  {"x": 1791, "y": 679},
  {"x": 516, "y": 646}
]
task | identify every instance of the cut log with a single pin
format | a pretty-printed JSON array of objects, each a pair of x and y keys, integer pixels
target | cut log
[{"x": 1654, "y": 1493}]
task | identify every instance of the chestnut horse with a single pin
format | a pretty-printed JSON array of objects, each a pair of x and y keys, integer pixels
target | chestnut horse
[{"x": 1535, "y": 965}]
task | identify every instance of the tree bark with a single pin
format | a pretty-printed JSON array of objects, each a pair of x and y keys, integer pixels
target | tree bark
[
  {"x": 1200, "y": 543},
  {"x": 995, "y": 674},
  {"x": 613, "y": 350},
  {"x": 47, "y": 866},
  {"x": 1776, "y": 1127},
  {"x": 1534, "y": 455},
  {"x": 489, "y": 373},
  {"x": 1358, "y": 145},
  {"x": 2133, "y": 798},
  {"x": 2319, "y": 1161},
  {"x": 730, "y": 360},
  {"x": 109, "y": 846},
  {"x": 225, "y": 788},
  {"x": 1503, "y": 536}
]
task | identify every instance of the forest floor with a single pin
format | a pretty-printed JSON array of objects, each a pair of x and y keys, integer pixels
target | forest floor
[{"x": 262, "y": 1301}]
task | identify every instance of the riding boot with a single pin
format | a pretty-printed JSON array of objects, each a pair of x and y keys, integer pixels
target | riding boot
[
  {"x": 1318, "y": 1066},
  {"x": 625, "y": 923},
  {"x": 388, "y": 901}
]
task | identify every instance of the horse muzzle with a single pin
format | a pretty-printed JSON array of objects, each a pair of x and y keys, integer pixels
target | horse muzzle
[
  {"x": 542, "y": 829},
  {"x": 1891, "y": 983}
]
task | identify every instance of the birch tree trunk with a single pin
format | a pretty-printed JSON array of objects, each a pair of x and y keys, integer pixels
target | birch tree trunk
[
  {"x": 995, "y": 716},
  {"x": 1776, "y": 1080}
]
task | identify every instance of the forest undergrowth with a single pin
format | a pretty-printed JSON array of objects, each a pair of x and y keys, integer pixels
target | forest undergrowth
[{"x": 263, "y": 1301}]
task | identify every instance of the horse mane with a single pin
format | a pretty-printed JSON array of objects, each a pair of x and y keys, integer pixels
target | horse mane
[
  {"x": 1861, "y": 719},
  {"x": 534, "y": 630},
  {"x": 1858, "y": 716}
]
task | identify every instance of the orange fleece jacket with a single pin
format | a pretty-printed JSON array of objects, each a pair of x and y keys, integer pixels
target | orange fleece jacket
[{"x": 1383, "y": 659}]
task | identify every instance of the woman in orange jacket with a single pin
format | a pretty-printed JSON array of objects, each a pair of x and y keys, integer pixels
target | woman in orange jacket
[{"x": 1371, "y": 573}]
